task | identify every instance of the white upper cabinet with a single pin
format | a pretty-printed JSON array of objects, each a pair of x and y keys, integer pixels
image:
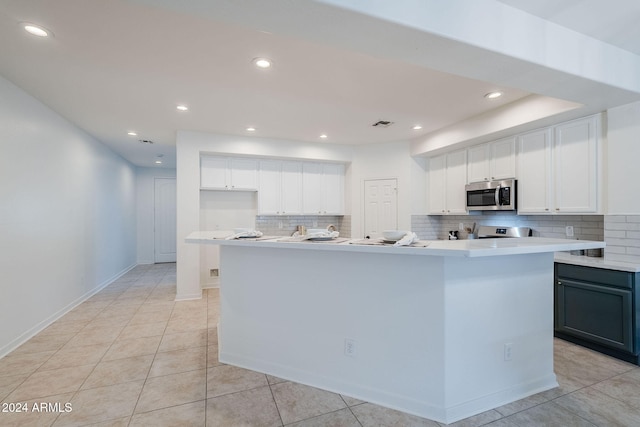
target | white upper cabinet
[
  {"x": 284, "y": 187},
  {"x": 323, "y": 188},
  {"x": 280, "y": 191},
  {"x": 576, "y": 166},
  {"x": 558, "y": 168},
  {"x": 478, "y": 163},
  {"x": 437, "y": 182},
  {"x": 228, "y": 173},
  {"x": 534, "y": 172},
  {"x": 492, "y": 161},
  {"x": 503, "y": 158},
  {"x": 447, "y": 179},
  {"x": 333, "y": 188},
  {"x": 291, "y": 194}
]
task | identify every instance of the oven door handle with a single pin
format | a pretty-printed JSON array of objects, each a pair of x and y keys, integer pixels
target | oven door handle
[{"x": 497, "y": 196}]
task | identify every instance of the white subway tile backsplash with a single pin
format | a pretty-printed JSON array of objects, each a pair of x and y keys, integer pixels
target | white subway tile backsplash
[
  {"x": 632, "y": 259},
  {"x": 609, "y": 219},
  {"x": 586, "y": 227},
  {"x": 617, "y": 242},
  {"x": 616, "y": 249},
  {"x": 283, "y": 225},
  {"x": 622, "y": 236}
]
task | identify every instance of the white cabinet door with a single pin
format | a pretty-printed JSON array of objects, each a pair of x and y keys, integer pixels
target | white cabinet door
[
  {"x": 323, "y": 188},
  {"x": 447, "y": 179},
  {"x": 291, "y": 188},
  {"x": 437, "y": 182},
  {"x": 492, "y": 161},
  {"x": 478, "y": 163},
  {"x": 312, "y": 188},
  {"x": 333, "y": 189},
  {"x": 213, "y": 172},
  {"x": 502, "y": 163},
  {"x": 534, "y": 172},
  {"x": 576, "y": 160},
  {"x": 270, "y": 188},
  {"x": 243, "y": 174},
  {"x": 456, "y": 199},
  {"x": 227, "y": 173}
]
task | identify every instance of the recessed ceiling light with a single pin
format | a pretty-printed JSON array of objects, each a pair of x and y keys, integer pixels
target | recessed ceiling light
[
  {"x": 417, "y": 127},
  {"x": 324, "y": 136},
  {"x": 493, "y": 95},
  {"x": 262, "y": 63},
  {"x": 182, "y": 107},
  {"x": 132, "y": 133},
  {"x": 251, "y": 129},
  {"x": 35, "y": 30},
  {"x": 158, "y": 162}
]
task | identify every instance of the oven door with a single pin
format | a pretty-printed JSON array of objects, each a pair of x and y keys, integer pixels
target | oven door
[{"x": 492, "y": 195}]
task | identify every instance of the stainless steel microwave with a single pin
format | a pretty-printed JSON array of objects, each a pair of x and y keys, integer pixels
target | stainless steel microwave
[{"x": 492, "y": 195}]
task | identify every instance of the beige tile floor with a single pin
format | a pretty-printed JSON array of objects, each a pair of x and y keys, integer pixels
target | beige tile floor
[{"x": 131, "y": 356}]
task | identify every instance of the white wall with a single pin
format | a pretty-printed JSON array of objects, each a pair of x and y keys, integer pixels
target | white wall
[
  {"x": 388, "y": 160},
  {"x": 67, "y": 215},
  {"x": 223, "y": 210},
  {"x": 145, "y": 190},
  {"x": 623, "y": 152}
]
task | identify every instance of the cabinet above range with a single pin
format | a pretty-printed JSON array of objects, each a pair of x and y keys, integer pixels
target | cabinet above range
[{"x": 492, "y": 161}]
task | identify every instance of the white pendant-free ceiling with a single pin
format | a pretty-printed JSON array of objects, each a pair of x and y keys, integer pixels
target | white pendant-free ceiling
[{"x": 115, "y": 66}]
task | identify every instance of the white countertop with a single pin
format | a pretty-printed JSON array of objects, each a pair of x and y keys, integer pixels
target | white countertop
[
  {"x": 597, "y": 262},
  {"x": 465, "y": 248}
]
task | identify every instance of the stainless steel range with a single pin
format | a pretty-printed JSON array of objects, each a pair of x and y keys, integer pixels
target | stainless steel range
[{"x": 491, "y": 231}]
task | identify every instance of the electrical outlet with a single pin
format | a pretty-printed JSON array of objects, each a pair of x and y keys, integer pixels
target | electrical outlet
[
  {"x": 349, "y": 347},
  {"x": 214, "y": 272},
  {"x": 507, "y": 351},
  {"x": 315, "y": 223},
  {"x": 280, "y": 225},
  {"x": 569, "y": 230}
]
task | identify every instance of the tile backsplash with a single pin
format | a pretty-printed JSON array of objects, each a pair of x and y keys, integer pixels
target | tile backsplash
[
  {"x": 585, "y": 227},
  {"x": 283, "y": 225},
  {"x": 622, "y": 236}
]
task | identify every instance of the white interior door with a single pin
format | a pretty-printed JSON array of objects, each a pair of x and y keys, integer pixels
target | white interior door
[
  {"x": 381, "y": 206},
  {"x": 165, "y": 219}
]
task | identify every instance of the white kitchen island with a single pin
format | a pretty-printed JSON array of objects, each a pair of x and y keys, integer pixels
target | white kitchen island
[{"x": 444, "y": 331}]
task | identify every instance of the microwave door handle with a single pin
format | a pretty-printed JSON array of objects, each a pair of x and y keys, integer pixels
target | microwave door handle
[{"x": 497, "y": 196}]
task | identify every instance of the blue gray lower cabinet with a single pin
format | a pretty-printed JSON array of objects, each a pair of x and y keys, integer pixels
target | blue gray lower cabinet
[{"x": 597, "y": 308}]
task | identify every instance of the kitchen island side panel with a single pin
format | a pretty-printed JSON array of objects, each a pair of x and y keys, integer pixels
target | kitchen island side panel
[
  {"x": 288, "y": 313},
  {"x": 429, "y": 331},
  {"x": 499, "y": 330}
]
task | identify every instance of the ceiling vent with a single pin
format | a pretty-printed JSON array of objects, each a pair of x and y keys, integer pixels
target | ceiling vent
[
  {"x": 145, "y": 141},
  {"x": 382, "y": 124}
]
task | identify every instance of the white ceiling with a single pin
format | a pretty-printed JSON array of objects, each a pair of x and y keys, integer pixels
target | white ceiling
[{"x": 120, "y": 65}]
